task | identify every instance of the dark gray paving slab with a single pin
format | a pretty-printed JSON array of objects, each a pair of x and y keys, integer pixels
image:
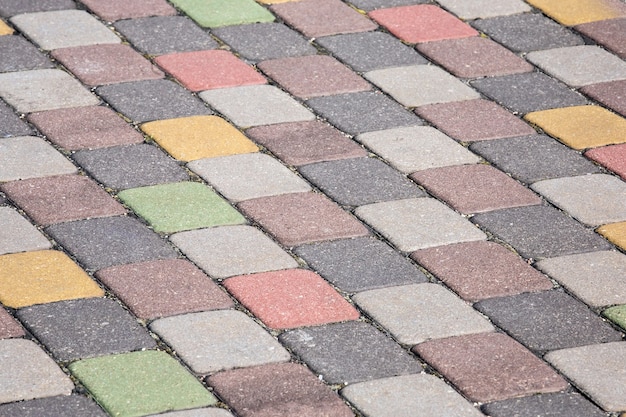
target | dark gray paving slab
[
  {"x": 17, "y": 54},
  {"x": 367, "y": 51},
  {"x": 561, "y": 404},
  {"x": 123, "y": 167},
  {"x": 349, "y": 352},
  {"x": 143, "y": 101},
  {"x": 534, "y": 158},
  {"x": 66, "y": 405},
  {"x": 264, "y": 41},
  {"x": 13, "y": 7},
  {"x": 356, "y": 113},
  {"x": 383, "y": 4},
  {"x": 540, "y": 231},
  {"x": 548, "y": 320},
  {"x": 11, "y": 124},
  {"x": 527, "y": 32},
  {"x": 159, "y": 35},
  {"x": 525, "y": 93},
  {"x": 104, "y": 242},
  {"x": 360, "y": 264},
  {"x": 359, "y": 181}
]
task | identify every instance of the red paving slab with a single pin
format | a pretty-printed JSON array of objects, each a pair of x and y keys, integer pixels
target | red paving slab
[
  {"x": 612, "y": 157},
  {"x": 609, "y": 33},
  {"x": 612, "y": 94},
  {"x": 112, "y": 10},
  {"x": 9, "y": 327}
]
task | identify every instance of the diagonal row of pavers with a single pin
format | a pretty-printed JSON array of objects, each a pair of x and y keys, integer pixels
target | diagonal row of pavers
[{"x": 312, "y": 207}]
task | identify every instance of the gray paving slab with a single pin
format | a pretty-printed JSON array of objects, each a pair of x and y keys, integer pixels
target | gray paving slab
[
  {"x": 219, "y": 340},
  {"x": 197, "y": 412},
  {"x": 483, "y": 9},
  {"x": 383, "y": 4},
  {"x": 25, "y": 157},
  {"x": 349, "y": 352},
  {"x": 18, "y": 235},
  {"x": 561, "y": 404},
  {"x": 13, "y": 7},
  {"x": 66, "y": 405},
  {"x": 17, "y": 54},
  {"x": 11, "y": 124}
]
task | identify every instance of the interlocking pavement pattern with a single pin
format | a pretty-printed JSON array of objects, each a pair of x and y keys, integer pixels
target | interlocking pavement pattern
[{"x": 313, "y": 208}]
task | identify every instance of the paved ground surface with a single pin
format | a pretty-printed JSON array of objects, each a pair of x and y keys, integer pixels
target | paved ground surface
[{"x": 379, "y": 208}]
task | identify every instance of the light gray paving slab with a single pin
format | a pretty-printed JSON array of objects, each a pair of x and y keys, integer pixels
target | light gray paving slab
[
  {"x": 418, "y": 223},
  {"x": 408, "y": 396},
  {"x": 30, "y": 157},
  {"x": 411, "y": 149},
  {"x": 45, "y": 89},
  {"x": 64, "y": 29},
  {"x": 232, "y": 250},
  {"x": 597, "y": 278},
  {"x": 597, "y": 370},
  {"x": 246, "y": 176},
  {"x": 218, "y": 340},
  {"x": 580, "y": 65},
  {"x": 26, "y": 372},
  {"x": 416, "y": 313},
  {"x": 419, "y": 85},
  {"x": 18, "y": 235},
  {"x": 592, "y": 199},
  {"x": 482, "y": 9},
  {"x": 256, "y": 105},
  {"x": 197, "y": 412}
]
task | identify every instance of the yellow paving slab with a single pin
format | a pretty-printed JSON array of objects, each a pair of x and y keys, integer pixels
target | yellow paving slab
[
  {"x": 581, "y": 127},
  {"x": 576, "y": 12},
  {"x": 5, "y": 29},
  {"x": 39, "y": 277},
  {"x": 615, "y": 233},
  {"x": 197, "y": 137}
]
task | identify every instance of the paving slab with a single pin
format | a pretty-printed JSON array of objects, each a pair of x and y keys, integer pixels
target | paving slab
[
  {"x": 84, "y": 128},
  {"x": 417, "y": 148},
  {"x": 419, "y": 85},
  {"x": 60, "y": 405},
  {"x": 11, "y": 124},
  {"x": 17, "y": 54},
  {"x": 12, "y": 7},
  {"x": 481, "y": 9},
  {"x": 79, "y": 329},
  {"x": 295, "y": 219},
  {"x": 224, "y": 12},
  {"x": 481, "y": 270},
  {"x": 597, "y": 278},
  {"x": 28, "y": 372},
  {"x": 291, "y": 298},
  {"x": 490, "y": 366},
  {"x": 359, "y": 181},
  {"x": 276, "y": 390},
  {"x": 574, "y": 12},
  {"x": 416, "y": 313},
  {"x": 264, "y": 41},
  {"x": 540, "y": 232},
  {"x": 256, "y": 105},
  {"x": 9, "y": 327},
  {"x": 608, "y": 33},
  {"x": 171, "y": 208},
  {"x": 123, "y": 9},
  {"x": 612, "y": 94},
  {"x": 302, "y": 143},
  {"x": 232, "y": 250},
  {"x": 617, "y": 314},
  {"x": 615, "y": 233},
  {"x": 163, "y": 288},
  {"x": 44, "y": 277},
  {"x": 61, "y": 198},
  {"x": 369, "y": 5},
  {"x": 214, "y": 341},
  {"x": 100, "y": 243},
  {"x": 534, "y": 158},
  {"x": 366, "y": 111},
  {"x": 248, "y": 176},
  {"x": 132, "y": 384},
  {"x": 198, "y": 412},
  {"x": 602, "y": 377},
  {"x": 5, "y": 29},
  {"x": 64, "y": 29},
  {"x": 562, "y": 404},
  {"x": 418, "y": 223},
  {"x": 44, "y": 89},
  {"x": 316, "y": 18},
  {"x": 160, "y": 35},
  {"x": 404, "y": 396},
  {"x": 349, "y": 352},
  {"x": 18, "y": 234},
  {"x": 528, "y": 92},
  {"x": 359, "y": 264},
  {"x": 26, "y": 157}
]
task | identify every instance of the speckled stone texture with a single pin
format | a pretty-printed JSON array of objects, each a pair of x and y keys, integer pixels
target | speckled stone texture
[
  {"x": 26, "y": 157},
  {"x": 11, "y": 124},
  {"x": 612, "y": 94},
  {"x": 13, "y": 7},
  {"x": 612, "y": 157},
  {"x": 9, "y": 327},
  {"x": 129, "y": 9},
  {"x": 17, "y": 54},
  {"x": 18, "y": 234},
  {"x": 548, "y": 405},
  {"x": 58, "y": 405},
  {"x": 609, "y": 33}
]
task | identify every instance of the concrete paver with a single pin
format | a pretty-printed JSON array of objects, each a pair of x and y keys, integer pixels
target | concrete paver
[
  {"x": 61, "y": 405},
  {"x": 611, "y": 94},
  {"x": 9, "y": 327},
  {"x": 609, "y": 33},
  {"x": 224, "y": 12},
  {"x": 573, "y": 12},
  {"x": 615, "y": 233},
  {"x": 11, "y": 124},
  {"x": 18, "y": 234},
  {"x": 123, "y": 9},
  {"x": 17, "y": 54},
  {"x": 12, "y": 7},
  {"x": 482, "y": 9},
  {"x": 26, "y": 157},
  {"x": 553, "y": 405},
  {"x": 5, "y": 29},
  {"x": 617, "y": 314}
]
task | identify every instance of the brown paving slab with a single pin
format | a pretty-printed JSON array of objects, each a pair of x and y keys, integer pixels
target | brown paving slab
[
  {"x": 610, "y": 33},
  {"x": 164, "y": 288},
  {"x": 277, "y": 390},
  {"x": 313, "y": 76},
  {"x": 85, "y": 128},
  {"x": 480, "y": 270},
  {"x": 490, "y": 367},
  {"x": 474, "y": 120},
  {"x": 612, "y": 157},
  {"x": 474, "y": 57},
  {"x": 113, "y": 10},
  {"x": 63, "y": 198},
  {"x": 612, "y": 94},
  {"x": 299, "y": 218},
  {"x": 302, "y": 143},
  {"x": 106, "y": 64},
  {"x": 9, "y": 327},
  {"x": 475, "y": 188}
]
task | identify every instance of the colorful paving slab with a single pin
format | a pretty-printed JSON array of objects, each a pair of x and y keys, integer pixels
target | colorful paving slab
[{"x": 316, "y": 208}]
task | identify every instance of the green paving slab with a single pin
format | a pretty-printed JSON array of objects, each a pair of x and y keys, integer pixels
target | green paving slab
[
  {"x": 217, "y": 13},
  {"x": 140, "y": 383},
  {"x": 617, "y": 315},
  {"x": 180, "y": 206}
]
